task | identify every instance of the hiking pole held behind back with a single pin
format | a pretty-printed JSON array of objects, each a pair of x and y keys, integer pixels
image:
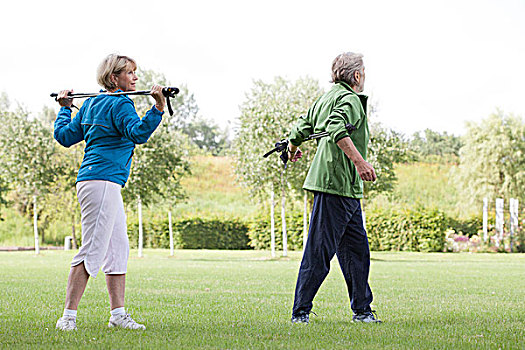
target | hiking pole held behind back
[
  {"x": 168, "y": 92},
  {"x": 282, "y": 146}
]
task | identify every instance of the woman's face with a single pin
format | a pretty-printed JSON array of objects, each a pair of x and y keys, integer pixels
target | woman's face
[{"x": 126, "y": 79}]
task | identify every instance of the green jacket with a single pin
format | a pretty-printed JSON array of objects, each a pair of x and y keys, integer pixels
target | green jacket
[{"x": 331, "y": 170}]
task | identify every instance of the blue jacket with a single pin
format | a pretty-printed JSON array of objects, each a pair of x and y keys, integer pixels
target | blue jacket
[{"x": 111, "y": 128}]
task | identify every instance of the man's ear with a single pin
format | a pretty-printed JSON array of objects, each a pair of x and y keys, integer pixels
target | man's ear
[{"x": 357, "y": 76}]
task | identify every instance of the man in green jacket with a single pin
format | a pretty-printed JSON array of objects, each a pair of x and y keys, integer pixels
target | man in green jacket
[{"x": 336, "y": 178}]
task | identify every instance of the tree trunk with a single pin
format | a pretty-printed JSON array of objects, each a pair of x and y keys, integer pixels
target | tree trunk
[
  {"x": 171, "y": 234},
  {"x": 35, "y": 226},
  {"x": 139, "y": 204},
  {"x": 283, "y": 213},
  {"x": 272, "y": 220}
]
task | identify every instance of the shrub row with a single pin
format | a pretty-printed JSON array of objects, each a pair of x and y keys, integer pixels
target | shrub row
[
  {"x": 192, "y": 233},
  {"x": 404, "y": 229},
  {"x": 259, "y": 232},
  {"x": 407, "y": 229}
]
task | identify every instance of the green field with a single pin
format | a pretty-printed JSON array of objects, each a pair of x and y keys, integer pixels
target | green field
[{"x": 242, "y": 300}]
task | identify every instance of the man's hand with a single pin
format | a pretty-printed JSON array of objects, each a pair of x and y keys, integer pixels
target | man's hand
[
  {"x": 294, "y": 153},
  {"x": 366, "y": 171}
]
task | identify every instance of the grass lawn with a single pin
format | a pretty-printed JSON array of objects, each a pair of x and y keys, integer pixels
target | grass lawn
[{"x": 242, "y": 299}]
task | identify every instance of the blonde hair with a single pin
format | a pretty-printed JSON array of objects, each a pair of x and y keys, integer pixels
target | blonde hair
[
  {"x": 113, "y": 64},
  {"x": 344, "y": 67}
]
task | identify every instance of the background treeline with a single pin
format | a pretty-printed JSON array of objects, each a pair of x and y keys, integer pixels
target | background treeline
[{"x": 219, "y": 188}]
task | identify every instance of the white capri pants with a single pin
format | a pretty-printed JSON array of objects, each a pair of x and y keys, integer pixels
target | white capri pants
[{"x": 104, "y": 233}]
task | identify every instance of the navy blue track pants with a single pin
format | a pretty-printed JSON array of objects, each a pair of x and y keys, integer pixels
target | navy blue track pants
[{"x": 336, "y": 227}]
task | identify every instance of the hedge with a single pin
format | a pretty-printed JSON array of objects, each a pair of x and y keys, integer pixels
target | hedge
[
  {"x": 417, "y": 229},
  {"x": 407, "y": 229},
  {"x": 259, "y": 232},
  {"x": 192, "y": 233}
]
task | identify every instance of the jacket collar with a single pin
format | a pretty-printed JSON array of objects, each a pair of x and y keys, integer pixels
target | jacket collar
[
  {"x": 346, "y": 86},
  {"x": 363, "y": 98}
]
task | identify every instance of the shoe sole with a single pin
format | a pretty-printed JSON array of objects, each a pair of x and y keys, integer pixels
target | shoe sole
[{"x": 111, "y": 325}]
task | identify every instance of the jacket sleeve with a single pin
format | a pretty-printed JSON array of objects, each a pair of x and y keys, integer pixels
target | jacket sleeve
[
  {"x": 68, "y": 131},
  {"x": 131, "y": 126},
  {"x": 344, "y": 112},
  {"x": 301, "y": 130}
]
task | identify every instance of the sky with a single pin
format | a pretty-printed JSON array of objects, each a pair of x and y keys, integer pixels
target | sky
[{"x": 429, "y": 64}]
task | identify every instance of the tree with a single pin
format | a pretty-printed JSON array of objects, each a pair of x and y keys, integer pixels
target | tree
[
  {"x": 26, "y": 149},
  {"x": 185, "y": 109},
  {"x": 207, "y": 136},
  {"x": 267, "y": 116},
  {"x": 157, "y": 167},
  {"x": 159, "y": 164},
  {"x": 492, "y": 160},
  {"x": 433, "y": 143}
]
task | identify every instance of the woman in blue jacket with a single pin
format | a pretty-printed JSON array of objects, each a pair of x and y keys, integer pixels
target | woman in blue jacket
[{"x": 111, "y": 128}]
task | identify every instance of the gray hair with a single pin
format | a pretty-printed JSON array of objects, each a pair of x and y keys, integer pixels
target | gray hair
[
  {"x": 113, "y": 64},
  {"x": 344, "y": 67}
]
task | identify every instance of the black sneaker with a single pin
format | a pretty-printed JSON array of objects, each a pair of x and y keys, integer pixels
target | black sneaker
[
  {"x": 301, "y": 319},
  {"x": 366, "y": 317}
]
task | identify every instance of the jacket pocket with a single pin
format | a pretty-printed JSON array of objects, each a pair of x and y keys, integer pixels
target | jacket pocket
[{"x": 353, "y": 171}]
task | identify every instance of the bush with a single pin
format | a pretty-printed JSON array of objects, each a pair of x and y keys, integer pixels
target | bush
[
  {"x": 471, "y": 226},
  {"x": 192, "y": 233},
  {"x": 407, "y": 229},
  {"x": 259, "y": 232},
  {"x": 419, "y": 230}
]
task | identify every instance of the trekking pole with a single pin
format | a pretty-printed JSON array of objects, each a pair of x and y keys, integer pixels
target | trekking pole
[
  {"x": 282, "y": 146},
  {"x": 168, "y": 92}
]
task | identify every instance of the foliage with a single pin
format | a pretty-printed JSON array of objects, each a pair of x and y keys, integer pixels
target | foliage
[
  {"x": 417, "y": 229},
  {"x": 185, "y": 109},
  {"x": 260, "y": 232},
  {"x": 492, "y": 161},
  {"x": 433, "y": 143},
  {"x": 406, "y": 229},
  {"x": 157, "y": 167},
  {"x": 26, "y": 150},
  {"x": 386, "y": 148},
  {"x": 160, "y": 163},
  {"x": 267, "y": 115},
  {"x": 192, "y": 233},
  {"x": 207, "y": 136}
]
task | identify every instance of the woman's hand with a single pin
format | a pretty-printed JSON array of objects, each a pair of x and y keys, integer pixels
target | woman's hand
[
  {"x": 63, "y": 99},
  {"x": 160, "y": 100}
]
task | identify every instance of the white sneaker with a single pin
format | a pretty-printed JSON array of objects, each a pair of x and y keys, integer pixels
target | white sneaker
[
  {"x": 67, "y": 323},
  {"x": 124, "y": 321}
]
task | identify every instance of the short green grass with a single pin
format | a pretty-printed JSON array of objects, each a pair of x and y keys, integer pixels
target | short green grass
[{"x": 242, "y": 300}]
